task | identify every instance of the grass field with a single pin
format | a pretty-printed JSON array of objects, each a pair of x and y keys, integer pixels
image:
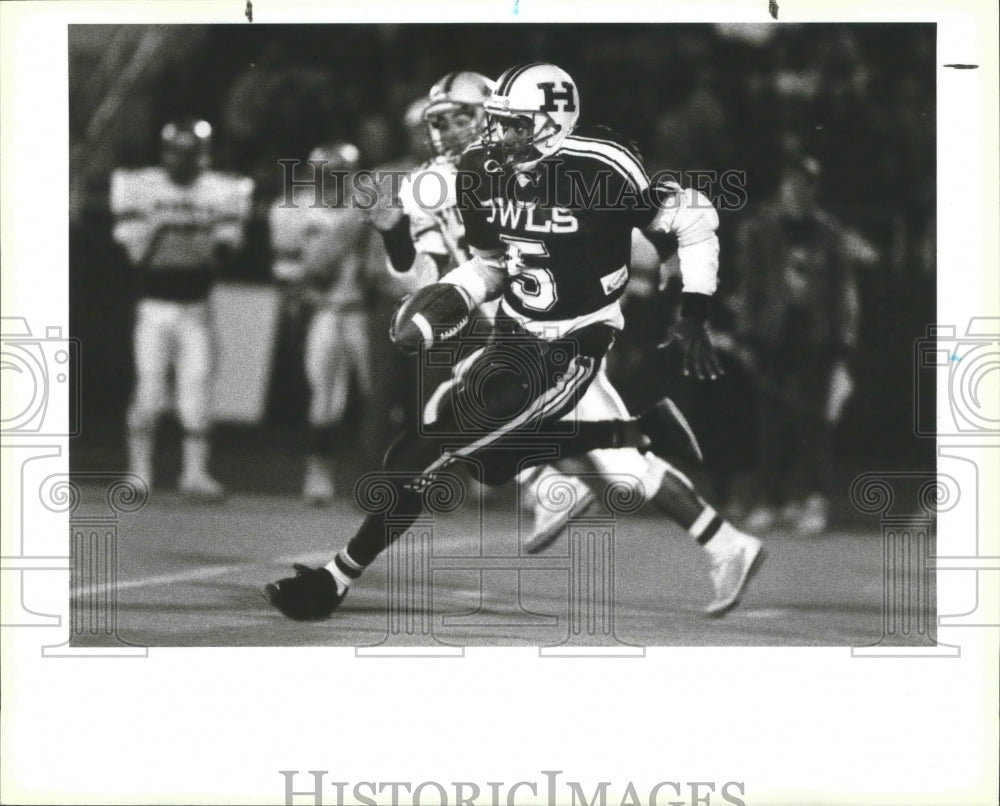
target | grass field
[{"x": 191, "y": 575}]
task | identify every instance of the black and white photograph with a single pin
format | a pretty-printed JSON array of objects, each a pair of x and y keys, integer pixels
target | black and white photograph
[
  {"x": 563, "y": 375},
  {"x": 616, "y": 384}
]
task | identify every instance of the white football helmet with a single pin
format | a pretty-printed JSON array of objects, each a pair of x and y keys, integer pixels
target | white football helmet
[
  {"x": 532, "y": 110},
  {"x": 186, "y": 148},
  {"x": 454, "y": 112},
  {"x": 336, "y": 163},
  {"x": 339, "y": 157}
]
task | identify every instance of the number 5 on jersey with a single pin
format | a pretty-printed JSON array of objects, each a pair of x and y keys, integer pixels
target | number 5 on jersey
[{"x": 533, "y": 285}]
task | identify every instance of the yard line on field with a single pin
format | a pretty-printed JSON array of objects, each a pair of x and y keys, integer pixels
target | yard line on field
[{"x": 192, "y": 575}]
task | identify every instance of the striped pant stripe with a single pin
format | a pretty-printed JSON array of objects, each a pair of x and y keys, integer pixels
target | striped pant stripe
[{"x": 543, "y": 406}]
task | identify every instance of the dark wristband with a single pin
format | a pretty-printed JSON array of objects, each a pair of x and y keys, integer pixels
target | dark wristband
[
  {"x": 398, "y": 245},
  {"x": 695, "y": 306}
]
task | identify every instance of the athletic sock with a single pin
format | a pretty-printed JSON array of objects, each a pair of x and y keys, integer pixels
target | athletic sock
[
  {"x": 380, "y": 529},
  {"x": 344, "y": 569},
  {"x": 195, "y": 453},
  {"x": 706, "y": 526},
  {"x": 140, "y": 453}
]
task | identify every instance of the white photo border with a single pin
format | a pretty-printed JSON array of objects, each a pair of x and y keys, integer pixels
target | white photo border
[{"x": 796, "y": 726}]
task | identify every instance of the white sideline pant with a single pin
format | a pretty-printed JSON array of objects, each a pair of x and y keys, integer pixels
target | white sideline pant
[
  {"x": 337, "y": 348},
  {"x": 172, "y": 335}
]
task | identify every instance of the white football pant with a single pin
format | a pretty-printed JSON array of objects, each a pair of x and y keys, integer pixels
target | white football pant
[
  {"x": 179, "y": 335},
  {"x": 337, "y": 348}
]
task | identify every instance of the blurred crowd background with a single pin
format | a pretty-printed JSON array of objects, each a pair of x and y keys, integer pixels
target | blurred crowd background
[{"x": 856, "y": 101}]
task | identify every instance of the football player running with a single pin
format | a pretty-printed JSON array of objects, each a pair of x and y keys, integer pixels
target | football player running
[
  {"x": 178, "y": 224},
  {"x": 424, "y": 238},
  {"x": 319, "y": 252},
  {"x": 555, "y": 251}
]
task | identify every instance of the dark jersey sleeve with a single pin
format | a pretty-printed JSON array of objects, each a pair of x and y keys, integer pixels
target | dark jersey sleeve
[{"x": 472, "y": 189}]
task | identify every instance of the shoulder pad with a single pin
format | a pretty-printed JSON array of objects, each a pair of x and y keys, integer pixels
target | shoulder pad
[
  {"x": 605, "y": 146},
  {"x": 607, "y": 134},
  {"x": 136, "y": 188}
]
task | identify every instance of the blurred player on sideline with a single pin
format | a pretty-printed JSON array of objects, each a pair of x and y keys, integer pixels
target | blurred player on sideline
[
  {"x": 424, "y": 238},
  {"x": 179, "y": 224},
  {"x": 557, "y": 257},
  {"x": 318, "y": 242},
  {"x": 796, "y": 326}
]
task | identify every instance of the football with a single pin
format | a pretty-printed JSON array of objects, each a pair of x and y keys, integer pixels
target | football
[{"x": 433, "y": 314}]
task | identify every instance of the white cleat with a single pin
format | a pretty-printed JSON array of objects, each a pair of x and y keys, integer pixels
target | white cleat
[
  {"x": 733, "y": 565},
  {"x": 549, "y": 524},
  {"x": 318, "y": 490},
  {"x": 201, "y": 487}
]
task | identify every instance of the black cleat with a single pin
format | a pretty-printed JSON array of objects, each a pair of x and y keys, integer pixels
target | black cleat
[
  {"x": 310, "y": 595},
  {"x": 670, "y": 436}
]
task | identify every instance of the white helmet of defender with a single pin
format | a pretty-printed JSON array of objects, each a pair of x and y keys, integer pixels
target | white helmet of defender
[{"x": 454, "y": 112}]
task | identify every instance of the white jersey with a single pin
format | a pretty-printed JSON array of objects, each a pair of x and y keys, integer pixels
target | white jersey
[
  {"x": 171, "y": 231},
  {"x": 323, "y": 247},
  {"x": 429, "y": 199}
]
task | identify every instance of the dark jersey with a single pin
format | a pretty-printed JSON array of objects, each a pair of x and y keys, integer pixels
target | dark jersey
[{"x": 565, "y": 227}]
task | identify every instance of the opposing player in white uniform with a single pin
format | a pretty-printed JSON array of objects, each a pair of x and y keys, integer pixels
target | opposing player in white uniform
[
  {"x": 424, "y": 238},
  {"x": 178, "y": 223},
  {"x": 319, "y": 242}
]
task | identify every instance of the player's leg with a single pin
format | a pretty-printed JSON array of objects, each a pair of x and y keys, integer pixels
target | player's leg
[
  {"x": 508, "y": 391},
  {"x": 195, "y": 361},
  {"x": 601, "y": 421},
  {"x": 547, "y": 520},
  {"x": 554, "y": 492},
  {"x": 733, "y": 555},
  {"x": 329, "y": 378},
  {"x": 811, "y": 462},
  {"x": 772, "y": 448},
  {"x": 152, "y": 351},
  {"x": 397, "y": 496}
]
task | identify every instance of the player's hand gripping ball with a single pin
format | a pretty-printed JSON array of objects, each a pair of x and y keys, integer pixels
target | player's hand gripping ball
[{"x": 436, "y": 313}]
